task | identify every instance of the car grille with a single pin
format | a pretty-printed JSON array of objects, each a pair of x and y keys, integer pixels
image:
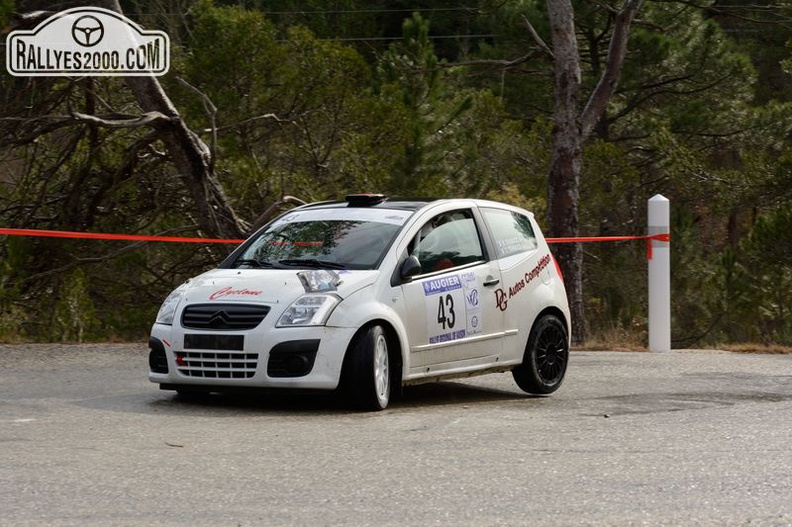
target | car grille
[
  {"x": 223, "y": 316},
  {"x": 213, "y": 365}
]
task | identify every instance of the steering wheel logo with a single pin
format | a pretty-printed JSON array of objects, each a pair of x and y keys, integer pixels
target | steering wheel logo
[{"x": 87, "y": 31}]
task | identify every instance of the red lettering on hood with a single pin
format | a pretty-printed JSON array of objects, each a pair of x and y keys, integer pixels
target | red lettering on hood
[{"x": 230, "y": 291}]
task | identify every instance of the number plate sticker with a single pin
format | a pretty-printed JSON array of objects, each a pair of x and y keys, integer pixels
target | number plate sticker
[{"x": 453, "y": 307}]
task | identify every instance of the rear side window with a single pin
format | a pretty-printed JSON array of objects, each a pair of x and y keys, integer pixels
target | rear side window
[{"x": 512, "y": 232}]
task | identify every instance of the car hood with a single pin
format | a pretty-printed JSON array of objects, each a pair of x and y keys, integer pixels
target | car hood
[{"x": 272, "y": 286}]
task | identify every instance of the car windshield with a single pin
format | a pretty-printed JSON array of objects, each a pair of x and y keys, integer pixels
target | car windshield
[{"x": 338, "y": 238}]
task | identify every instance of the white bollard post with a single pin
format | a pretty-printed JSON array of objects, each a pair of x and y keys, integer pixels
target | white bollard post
[{"x": 659, "y": 276}]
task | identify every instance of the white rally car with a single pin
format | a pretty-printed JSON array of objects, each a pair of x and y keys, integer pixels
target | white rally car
[{"x": 368, "y": 295}]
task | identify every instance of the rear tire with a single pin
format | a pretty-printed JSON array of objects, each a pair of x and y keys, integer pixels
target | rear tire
[
  {"x": 367, "y": 371},
  {"x": 545, "y": 359}
]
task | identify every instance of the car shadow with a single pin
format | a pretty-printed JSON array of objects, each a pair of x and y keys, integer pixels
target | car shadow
[
  {"x": 445, "y": 393},
  {"x": 288, "y": 403}
]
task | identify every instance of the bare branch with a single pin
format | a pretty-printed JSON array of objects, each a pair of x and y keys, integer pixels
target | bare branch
[
  {"x": 254, "y": 119},
  {"x": 617, "y": 52},
  {"x": 29, "y": 20},
  {"x": 537, "y": 38},
  {"x": 211, "y": 113},
  {"x": 100, "y": 259},
  {"x": 490, "y": 62},
  {"x": 123, "y": 121},
  {"x": 46, "y": 124},
  {"x": 264, "y": 218}
]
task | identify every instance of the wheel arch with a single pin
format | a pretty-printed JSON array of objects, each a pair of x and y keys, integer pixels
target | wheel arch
[
  {"x": 395, "y": 348},
  {"x": 553, "y": 310}
]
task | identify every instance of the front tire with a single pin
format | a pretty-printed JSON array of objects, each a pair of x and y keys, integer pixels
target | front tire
[
  {"x": 545, "y": 359},
  {"x": 367, "y": 370}
]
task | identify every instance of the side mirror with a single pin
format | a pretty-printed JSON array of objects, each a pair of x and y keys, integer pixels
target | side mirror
[{"x": 411, "y": 267}]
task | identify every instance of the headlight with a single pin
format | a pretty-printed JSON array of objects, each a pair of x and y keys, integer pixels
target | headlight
[
  {"x": 168, "y": 308},
  {"x": 309, "y": 310}
]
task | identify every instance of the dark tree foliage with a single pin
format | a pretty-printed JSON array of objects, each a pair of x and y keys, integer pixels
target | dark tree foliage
[{"x": 273, "y": 102}]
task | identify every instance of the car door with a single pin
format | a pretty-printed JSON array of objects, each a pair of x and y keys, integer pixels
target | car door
[
  {"x": 524, "y": 269},
  {"x": 451, "y": 320}
]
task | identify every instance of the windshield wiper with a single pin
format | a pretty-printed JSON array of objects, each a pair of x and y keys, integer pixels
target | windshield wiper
[
  {"x": 311, "y": 262},
  {"x": 253, "y": 263}
]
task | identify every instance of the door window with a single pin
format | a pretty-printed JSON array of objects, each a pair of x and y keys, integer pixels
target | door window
[{"x": 447, "y": 240}]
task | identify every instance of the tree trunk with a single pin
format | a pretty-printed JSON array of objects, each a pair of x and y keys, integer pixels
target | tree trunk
[
  {"x": 571, "y": 129},
  {"x": 564, "y": 178}
]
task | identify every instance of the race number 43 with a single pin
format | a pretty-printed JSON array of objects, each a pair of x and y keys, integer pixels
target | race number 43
[
  {"x": 453, "y": 308},
  {"x": 446, "y": 316},
  {"x": 449, "y": 320}
]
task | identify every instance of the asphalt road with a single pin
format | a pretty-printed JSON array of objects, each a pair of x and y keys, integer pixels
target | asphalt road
[{"x": 679, "y": 438}]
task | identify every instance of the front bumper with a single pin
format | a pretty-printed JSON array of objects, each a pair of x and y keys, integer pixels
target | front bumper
[{"x": 264, "y": 357}]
